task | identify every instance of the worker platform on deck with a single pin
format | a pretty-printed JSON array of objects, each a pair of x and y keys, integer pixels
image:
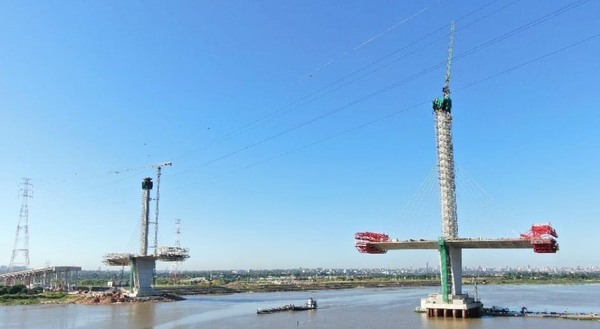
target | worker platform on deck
[
  {"x": 165, "y": 254},
  {"x": 541, "y": 238}
]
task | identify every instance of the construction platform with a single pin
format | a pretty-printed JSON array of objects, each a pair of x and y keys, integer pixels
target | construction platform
[
  {"x": 541, "y": 238},
  {"x": 165, "y": 254}
]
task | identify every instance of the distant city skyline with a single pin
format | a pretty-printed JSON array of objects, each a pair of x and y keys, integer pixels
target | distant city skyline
[
  {"x": 291, "y": 126},
  {"x": 411, "y": 270}
]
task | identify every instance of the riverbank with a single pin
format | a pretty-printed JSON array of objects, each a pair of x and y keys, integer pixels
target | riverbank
[
  {"x": 244, "y": 287},
  {"x": 101, "y": 295},
  {"x": 86, "y": 298},
  {"x": 120, "y": 298},
  {"x": 210, "y": 288}
]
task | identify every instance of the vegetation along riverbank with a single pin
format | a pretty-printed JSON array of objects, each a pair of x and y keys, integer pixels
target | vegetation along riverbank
[{"x": 92, "y": 286}]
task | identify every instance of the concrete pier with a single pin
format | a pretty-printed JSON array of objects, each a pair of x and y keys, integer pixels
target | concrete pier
[
  {"x": 459, "y": 306},
  {"x": 142, "y": 276}
]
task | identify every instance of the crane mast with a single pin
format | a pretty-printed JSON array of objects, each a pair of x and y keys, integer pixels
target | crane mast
[
  {"x": 158, "y": 174},
  {"x": 147, "y": 221}
]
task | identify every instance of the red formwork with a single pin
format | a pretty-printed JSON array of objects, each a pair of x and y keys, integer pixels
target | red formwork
[
  {"x": 542, "y": 237},
  {"x": 364, "y": 240}
]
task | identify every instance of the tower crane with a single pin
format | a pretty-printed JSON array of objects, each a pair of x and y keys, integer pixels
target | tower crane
[{"x": 158, "y": 167}]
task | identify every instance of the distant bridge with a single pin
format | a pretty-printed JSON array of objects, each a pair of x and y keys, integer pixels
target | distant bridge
[{"x": 49, "y": 277}]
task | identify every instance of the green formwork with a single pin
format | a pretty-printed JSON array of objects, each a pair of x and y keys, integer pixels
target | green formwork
[{"x": 446, "y": 271}]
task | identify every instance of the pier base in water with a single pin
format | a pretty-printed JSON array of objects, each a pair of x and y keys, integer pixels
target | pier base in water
[{"x": 459, "y": 306}]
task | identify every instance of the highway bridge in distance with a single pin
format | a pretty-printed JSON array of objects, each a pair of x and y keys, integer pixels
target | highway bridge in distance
[{"x": 49, "y": 277}]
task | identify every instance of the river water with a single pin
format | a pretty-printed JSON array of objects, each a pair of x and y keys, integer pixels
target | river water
[{"x": 352, "y": 308}]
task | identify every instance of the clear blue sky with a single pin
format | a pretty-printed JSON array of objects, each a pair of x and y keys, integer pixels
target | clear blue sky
[{"x": 294, "y": 124}]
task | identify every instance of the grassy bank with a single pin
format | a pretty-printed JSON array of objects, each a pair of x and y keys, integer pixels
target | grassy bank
[
  {"x": 219, "y": 288},
  {"x": 23, "y": 296},
  {"x": 242, "y": 287},
  {"x": 32, "y": 299}
]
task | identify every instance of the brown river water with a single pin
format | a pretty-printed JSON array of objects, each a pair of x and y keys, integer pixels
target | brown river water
[{"x": 352, "y": 308}]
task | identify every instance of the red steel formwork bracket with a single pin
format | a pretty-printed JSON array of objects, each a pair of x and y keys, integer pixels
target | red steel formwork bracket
[
  {"x": 364, "y": 242},
  {"x": 542, "y": 237}
]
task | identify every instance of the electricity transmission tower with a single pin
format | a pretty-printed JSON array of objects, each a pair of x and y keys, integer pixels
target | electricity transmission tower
[{"x": 20, "y": 253}]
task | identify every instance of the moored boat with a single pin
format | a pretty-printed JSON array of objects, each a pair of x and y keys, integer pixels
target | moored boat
[{"x": 311, "y": 304}]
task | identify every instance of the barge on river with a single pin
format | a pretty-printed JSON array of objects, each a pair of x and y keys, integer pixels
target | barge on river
[
  {"x": 311, "y": 304},
  {"x": 504, "y": 311}
]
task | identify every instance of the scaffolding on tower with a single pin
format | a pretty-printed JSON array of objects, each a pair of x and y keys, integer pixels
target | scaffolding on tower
[{"x": 452, "y": 302}]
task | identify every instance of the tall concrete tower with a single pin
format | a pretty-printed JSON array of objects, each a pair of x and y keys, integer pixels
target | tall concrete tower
[
  {"x": 146, "y": 187},
  {"x": 143, "y": 266},
  {"x": 445, "y": 148},
  {"x": 450, "y": 257}
]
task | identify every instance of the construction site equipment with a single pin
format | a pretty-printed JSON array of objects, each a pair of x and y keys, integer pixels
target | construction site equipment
[
  {"x": 364, "y": 240},
  {"x": 173, "y": 254},
  {"x": 117, "y": 259},
  {"x": 158, "y": 174},
  {"x": 542, "y": 237},
  {"x": 158, "y": 167}
]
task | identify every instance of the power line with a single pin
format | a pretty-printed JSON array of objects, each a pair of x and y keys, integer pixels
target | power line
[
  {"x": 415, "y": 51},
  {"x": 524, "y": 27},
  {"x": 306, "y": 99},
  {"x": 394, "y": 113},
  {"x": 430, "y": 69},
  {"x": 394, "y": 85},
  {"x": 537, "y": 59},
  {"x": 414, "y": 106},
  {"x": 255, "y": 122},
  {"x": 366, "y": 42}
]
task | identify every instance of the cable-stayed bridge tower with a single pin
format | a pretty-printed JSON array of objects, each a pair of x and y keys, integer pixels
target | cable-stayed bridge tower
[
  {"x": 143, "y": 264},
  {"x": 452, "y": 302},
  {"x": 450, "y": 257}
]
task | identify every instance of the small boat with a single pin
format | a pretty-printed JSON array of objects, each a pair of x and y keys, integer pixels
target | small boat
[{"x": 311, "y": 304}]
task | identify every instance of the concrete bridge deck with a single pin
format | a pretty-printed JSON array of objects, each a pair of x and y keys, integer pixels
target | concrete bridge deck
[
  {"x": 477, "y": 243},
  {"x": 50, "y": 277}
]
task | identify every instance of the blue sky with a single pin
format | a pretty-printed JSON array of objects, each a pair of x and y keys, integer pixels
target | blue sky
[{"x": 292, "y": 125}]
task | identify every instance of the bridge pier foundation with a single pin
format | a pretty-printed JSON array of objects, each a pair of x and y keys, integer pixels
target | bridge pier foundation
[{"x": 459, "y": 306}]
